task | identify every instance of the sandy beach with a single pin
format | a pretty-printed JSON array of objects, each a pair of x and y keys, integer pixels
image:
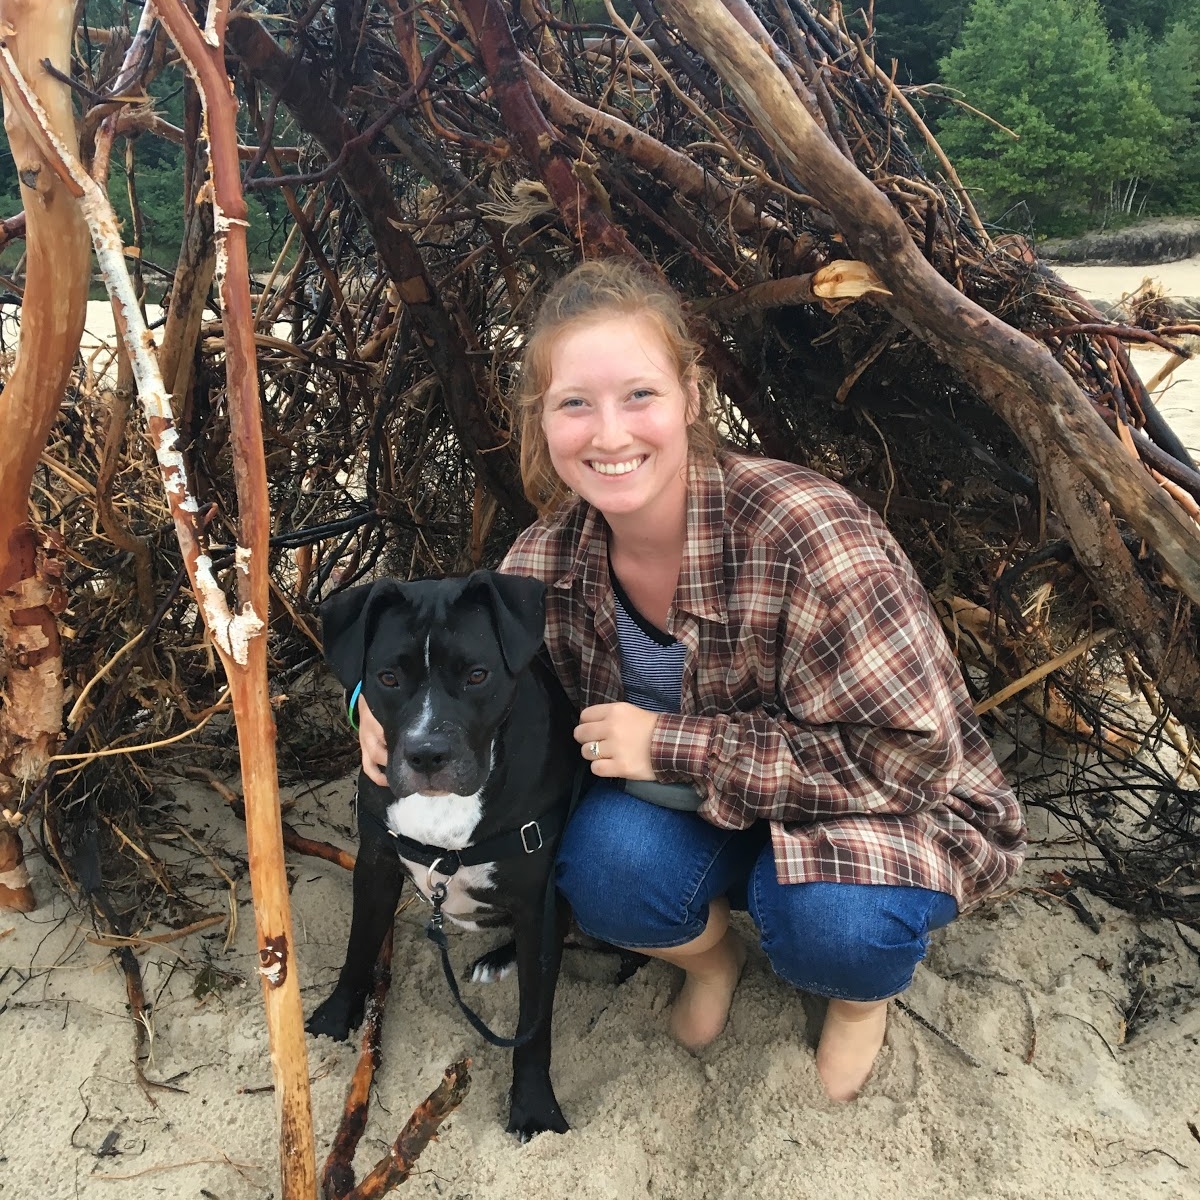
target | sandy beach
[
  {"x": 1041, "y": 1089},
  {"x": 1179, "y": 399}
]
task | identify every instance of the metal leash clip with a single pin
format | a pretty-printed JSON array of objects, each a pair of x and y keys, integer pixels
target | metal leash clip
[
  {"x": 434, "y": 930},
  {"x": 430, "y": 886}
]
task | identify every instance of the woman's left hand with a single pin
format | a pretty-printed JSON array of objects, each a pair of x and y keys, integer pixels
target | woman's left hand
[{"x": 622, "y": 733}]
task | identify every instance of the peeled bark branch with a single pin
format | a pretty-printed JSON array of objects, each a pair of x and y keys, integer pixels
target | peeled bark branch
[
  {"x": 574, "y": 196},
  {"x": 245, "y": 659},
  {"x": 52, "y": 313}
]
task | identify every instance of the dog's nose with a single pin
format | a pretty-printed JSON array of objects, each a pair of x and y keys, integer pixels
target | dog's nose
[{"x": 428, "y": 754}]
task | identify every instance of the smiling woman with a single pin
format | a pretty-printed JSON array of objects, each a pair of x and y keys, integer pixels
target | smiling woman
[
  {"x": 615, "y": 419},
  {"x": 787, "y": 666},
  {"x": 653, "y": 351}
]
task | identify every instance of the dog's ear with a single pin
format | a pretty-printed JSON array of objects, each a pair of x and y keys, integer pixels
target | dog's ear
[
  {"x": 518, "y": 605},
  {"x": 344, "y": 626}
]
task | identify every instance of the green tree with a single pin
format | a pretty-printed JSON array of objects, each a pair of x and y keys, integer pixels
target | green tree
[
  {"x": 918, "y": 34},
  {"x": 1154, "y": 16},
  {"x": 1045, "y": 69},
  {"x": 1173, "y": 68}
]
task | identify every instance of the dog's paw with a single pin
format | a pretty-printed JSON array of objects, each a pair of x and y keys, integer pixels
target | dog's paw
[
  {"x": 533, "y": 1108},
  {"x": 495, "y": 964},
  {"x": 528, "y": 1123},
  {"x": 335, "y": 1018}
]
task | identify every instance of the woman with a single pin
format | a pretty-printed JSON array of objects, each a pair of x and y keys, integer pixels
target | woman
[{"x": 748, "y": 628}]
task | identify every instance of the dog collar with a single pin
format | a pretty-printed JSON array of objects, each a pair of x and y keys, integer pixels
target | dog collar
[
  {"x": 528, "y": 839},
  {"x": 353, "y": 703}
]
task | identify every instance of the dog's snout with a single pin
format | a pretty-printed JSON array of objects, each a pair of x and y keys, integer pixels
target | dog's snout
[{"x": 428, "y": 754}]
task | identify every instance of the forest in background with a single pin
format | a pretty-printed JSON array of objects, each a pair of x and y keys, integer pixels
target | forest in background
[{"x": 1103, "y": 97}]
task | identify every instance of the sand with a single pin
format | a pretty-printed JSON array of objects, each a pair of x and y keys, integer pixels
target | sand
[
  {"x": 1179, "y": 399},
  {"x": 1061, "y": 1100}
]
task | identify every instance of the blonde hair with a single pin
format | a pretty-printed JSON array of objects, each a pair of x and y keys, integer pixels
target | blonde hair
[{"x": 590, "y": 292}]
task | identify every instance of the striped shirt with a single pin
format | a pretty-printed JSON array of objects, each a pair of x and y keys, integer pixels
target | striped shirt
[
  {"x": 651, "y": 661},
  {"x": 819, "y": 692}
]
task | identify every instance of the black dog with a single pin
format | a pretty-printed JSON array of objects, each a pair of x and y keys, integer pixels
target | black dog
[{"x": 480, "y": 756}]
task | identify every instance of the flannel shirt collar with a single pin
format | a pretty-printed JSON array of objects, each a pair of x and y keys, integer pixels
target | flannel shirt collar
[{"x": 699, "y": 589}]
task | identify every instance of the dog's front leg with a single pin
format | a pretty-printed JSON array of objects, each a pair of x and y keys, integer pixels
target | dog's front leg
[
  {"x": 378, "y": 879},
  {"x": 534, "y": 1108}
]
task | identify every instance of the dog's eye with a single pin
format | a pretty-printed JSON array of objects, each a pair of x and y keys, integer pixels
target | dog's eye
[
  {"x": 477, "y": 676},
  {"x": 388, "y": 679}
]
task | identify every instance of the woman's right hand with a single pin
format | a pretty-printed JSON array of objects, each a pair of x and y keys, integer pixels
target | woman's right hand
[{"x": 372, "y": 744}]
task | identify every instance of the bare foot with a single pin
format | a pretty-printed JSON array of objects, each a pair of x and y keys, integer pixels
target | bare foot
[
  {"x": 850, "y": 1041},
  {"x": 702, "y": 1006}
]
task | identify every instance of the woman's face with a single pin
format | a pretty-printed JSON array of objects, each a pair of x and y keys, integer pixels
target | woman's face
[{"x": 616, "y": 417}]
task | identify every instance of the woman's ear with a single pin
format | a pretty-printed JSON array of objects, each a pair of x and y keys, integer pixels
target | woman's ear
[{"x": 691, "y": 390}]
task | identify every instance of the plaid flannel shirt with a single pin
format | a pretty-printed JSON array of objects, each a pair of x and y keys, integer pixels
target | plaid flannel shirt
[{"x": 819, "y": 690}]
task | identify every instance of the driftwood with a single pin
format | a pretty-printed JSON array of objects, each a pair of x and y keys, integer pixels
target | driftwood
[
  {"x": 239, "y": 638},
  {"x": 1159, "y": 316},
  {"x": 397, "y": 251},
  {"x": 1036, "y": 397},
  {"x": 337, "y": 1176},
  {"x": 31, "y": 594},
  {"x": 241, "y": 642},
  {"x": 426, "y": 215},
  {"x": 396, "y": 1166},
  {"x": 292, "y": 838}
]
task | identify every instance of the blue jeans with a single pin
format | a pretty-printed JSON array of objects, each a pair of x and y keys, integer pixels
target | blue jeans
[{"x": 641, "y": 876}]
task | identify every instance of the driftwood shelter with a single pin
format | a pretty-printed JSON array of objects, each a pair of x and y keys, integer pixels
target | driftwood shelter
[{"x": 169, "y": 523}]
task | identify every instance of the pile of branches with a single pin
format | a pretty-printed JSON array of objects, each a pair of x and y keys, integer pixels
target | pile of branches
[{"x": 443, "y": 164}]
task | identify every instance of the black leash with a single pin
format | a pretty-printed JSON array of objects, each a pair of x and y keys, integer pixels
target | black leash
[
  {"x": 437, "y": 935},
  {"x": 529, "y": 839}
]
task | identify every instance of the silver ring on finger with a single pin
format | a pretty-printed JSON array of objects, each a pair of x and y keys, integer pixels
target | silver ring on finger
[{"x": 594, "y": 749}]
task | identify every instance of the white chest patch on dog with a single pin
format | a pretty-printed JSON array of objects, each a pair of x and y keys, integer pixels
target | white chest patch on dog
[
  {"x": 450, "y": 822},
  {"x": 447, "y": 821}
]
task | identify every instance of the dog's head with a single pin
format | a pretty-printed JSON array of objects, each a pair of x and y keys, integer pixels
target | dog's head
[{"x": 438, "y": 660}]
